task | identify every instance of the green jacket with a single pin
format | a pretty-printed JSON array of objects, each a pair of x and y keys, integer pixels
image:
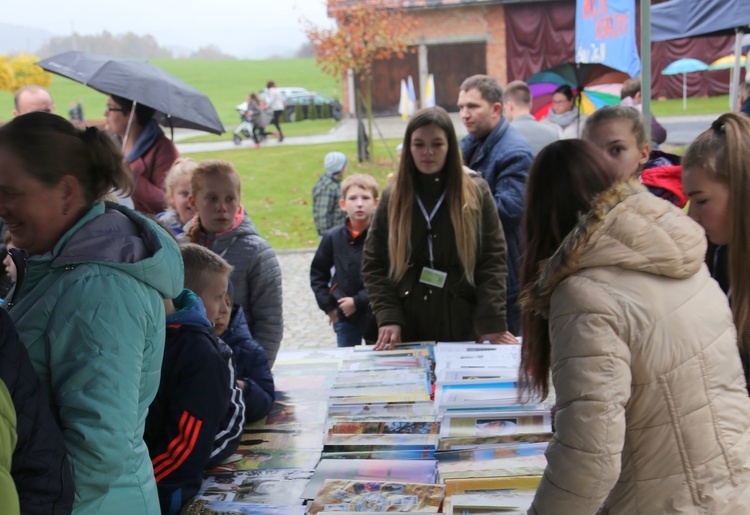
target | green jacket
[
  {"x": 91, "y": 315},
  {"x": 8, "y": 495}
]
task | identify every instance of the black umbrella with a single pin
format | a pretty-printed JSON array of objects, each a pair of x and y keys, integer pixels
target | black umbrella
[{"x": 176, "y": 103}]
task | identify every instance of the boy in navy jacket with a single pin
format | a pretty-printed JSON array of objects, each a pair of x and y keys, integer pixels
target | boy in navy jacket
[
  {"x": 253, "y": 373},
  {"x": 197, "y": 417},
  {"x": 343, "y": 296}
]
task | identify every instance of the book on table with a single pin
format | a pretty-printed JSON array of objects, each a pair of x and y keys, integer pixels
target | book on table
[
  {"x": 378, "y": 496},
  {"x": 402, "y": 471}
]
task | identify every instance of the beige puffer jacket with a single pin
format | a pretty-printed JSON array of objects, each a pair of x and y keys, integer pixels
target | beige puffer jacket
[{"x": 653, "y": 415}]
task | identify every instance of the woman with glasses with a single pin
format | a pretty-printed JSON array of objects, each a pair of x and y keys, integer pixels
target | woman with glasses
[
  {"x": 148, "y": 152},
  {"x": 565, "y": 115}
]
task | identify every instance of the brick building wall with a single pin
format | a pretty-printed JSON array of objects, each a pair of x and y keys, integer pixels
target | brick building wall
[{"x": 458, "y": 24}]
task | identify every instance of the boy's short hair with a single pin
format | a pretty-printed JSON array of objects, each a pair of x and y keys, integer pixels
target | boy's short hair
[
  {"x": 518, "y": 91},
  {"x": 198, "y": 261},
  {"x": 630, "y": 88},
  {"x": 363, "y": 180}
]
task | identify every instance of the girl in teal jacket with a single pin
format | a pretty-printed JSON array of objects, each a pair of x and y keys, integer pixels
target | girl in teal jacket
[{"x": 88, "y": 302}]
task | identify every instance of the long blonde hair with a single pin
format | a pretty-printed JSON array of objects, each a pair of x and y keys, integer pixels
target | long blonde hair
[
  {"x": 723, "y": 153},
  {"x": 462, "y": 200},
  {"x": 198, "y": 181}
]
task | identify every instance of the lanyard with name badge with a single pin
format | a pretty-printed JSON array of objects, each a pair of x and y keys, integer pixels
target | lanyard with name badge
[{"x": 429, "y": 274}]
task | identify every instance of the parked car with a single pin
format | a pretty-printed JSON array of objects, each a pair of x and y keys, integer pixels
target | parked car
[
  {"x": 285, "y": 92},
  {"x": 304, "y": 99}
]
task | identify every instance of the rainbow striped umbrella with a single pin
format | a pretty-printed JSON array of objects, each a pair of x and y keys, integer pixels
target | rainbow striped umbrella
[
  {"x": 600, "y": 86},
  {"x": 592, "y": 97}
]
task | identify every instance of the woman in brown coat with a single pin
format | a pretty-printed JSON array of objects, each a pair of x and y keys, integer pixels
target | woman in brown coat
[
  {"x": 434, "y": 259},
  {"x": 652, "y": 412}
]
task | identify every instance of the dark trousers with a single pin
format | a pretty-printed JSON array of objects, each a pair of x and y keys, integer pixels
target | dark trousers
[
  {"x": 348, "y": 334},
  {"x": 513, "y": 316},
  {"x": 275, "y": 121}
]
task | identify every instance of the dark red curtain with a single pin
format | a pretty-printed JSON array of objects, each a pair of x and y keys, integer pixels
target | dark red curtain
[{"x": 541, "y": 35}]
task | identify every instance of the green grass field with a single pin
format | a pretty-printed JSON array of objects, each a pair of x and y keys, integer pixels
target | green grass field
[
  {"x": 700, "y": 105},
  {"x": 226, "y": 82},
  {"x": 277, "y": 183}
]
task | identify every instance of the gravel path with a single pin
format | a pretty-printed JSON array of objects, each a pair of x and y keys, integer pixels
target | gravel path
[{"x": 305, "y": 325}]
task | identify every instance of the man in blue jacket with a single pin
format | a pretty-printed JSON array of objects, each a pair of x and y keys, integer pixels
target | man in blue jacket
[{"x": 503, "y": 157}]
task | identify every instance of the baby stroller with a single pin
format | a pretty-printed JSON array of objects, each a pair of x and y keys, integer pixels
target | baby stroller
[{"x": 247, "y": 128}]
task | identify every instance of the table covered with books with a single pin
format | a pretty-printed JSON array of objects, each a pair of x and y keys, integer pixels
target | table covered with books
[{"x": 425, "y": 428}]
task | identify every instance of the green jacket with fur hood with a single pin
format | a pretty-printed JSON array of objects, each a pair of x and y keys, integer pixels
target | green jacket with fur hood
[
  {"x": 652, "y": 412},
  {"x": 91, "y": 315}
]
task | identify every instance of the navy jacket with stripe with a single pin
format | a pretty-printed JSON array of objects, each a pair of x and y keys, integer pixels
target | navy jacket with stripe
[{"x": 197, "y": 416}]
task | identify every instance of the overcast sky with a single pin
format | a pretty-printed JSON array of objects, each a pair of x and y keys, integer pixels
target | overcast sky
[{"x": 243, "y": 28}]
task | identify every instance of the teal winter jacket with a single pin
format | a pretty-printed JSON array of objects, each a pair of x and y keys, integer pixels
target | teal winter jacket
[{"x": 91, "y": 315}]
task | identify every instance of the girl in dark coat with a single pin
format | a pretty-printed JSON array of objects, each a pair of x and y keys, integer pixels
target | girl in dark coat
[{"x": 434, "y": 260}]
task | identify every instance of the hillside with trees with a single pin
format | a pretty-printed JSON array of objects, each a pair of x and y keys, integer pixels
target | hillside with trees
[{"x": 128, "y": 45}]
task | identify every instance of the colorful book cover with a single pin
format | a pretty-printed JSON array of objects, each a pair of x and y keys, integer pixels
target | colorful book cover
[
  {"x": 259, "y": 458},
  {"x": 456, "y": 426},
  {"x": 205, "y": 507},
  {"x": 499, "y": 452},
  {"x": 379, "y": 448},
  {"x": 461, "y": 443},
  {"x": 377, "y": 453},
  {"x": 430, "y": 441},
  {"x": 273, "y": 488},
  {"x": 378, "y": 496},
  {"x": 490, "y": 484},
  {"x": 402, "y": 471},
  {"x": 339, "y": 512},
  {"x": 381, "y": 409},
  {"x": 384, "y": 428}
]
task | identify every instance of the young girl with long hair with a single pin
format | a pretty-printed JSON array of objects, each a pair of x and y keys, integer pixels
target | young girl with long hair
[
  {"x": 652, "y": 414},
  {"x": 222, "y": 225},
  {"x": 716, "y": 178},
  {"x": 434, "y": 260},
  {"x": 619, "y": 131}
]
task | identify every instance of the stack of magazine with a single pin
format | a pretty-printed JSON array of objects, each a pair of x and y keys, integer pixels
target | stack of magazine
[{"x": 493, "y": 436}]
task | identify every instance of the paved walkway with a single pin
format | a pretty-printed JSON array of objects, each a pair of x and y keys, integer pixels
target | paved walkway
[
  {"x": 305, "y": 325},
  {"x": 346, "y": 130}
]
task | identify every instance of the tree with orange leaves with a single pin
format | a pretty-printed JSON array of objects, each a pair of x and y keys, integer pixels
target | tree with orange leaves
[{"x": 363, "y": 34}]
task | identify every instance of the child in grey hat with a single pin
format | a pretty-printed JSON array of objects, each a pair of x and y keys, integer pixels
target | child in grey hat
[{"x": 327, "y": 192}]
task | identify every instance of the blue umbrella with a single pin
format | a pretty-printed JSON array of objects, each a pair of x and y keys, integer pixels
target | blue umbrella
[{"x": 684, "y": 66}]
